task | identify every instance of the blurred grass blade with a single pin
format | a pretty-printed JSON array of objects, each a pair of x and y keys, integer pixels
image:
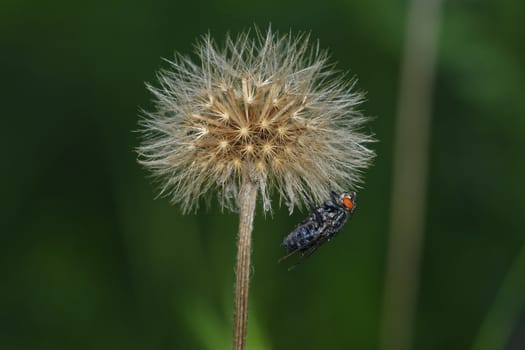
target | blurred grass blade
[
  {"x": 497, "y": 327},
  {"x": 213, "y": 333},
  {"x": 409, "y": 182}
]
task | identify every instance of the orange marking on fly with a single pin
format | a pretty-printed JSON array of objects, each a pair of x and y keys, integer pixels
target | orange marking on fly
[{"x": 348, "y": 202}]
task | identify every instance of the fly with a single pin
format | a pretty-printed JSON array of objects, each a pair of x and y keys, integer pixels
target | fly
[{"x": 322, "y": 225}]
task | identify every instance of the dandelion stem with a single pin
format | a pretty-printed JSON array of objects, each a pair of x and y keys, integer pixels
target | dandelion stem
[{"x": 247, "y": 200}]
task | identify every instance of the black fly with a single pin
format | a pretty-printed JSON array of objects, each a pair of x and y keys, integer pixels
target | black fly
[{"x": 321, "y": 226}]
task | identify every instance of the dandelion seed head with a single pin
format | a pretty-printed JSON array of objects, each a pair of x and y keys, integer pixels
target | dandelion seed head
[{"x": 266, "y": 108}]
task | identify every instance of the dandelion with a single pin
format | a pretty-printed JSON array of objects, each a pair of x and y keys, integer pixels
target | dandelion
[{"x": 266, "y": 113}]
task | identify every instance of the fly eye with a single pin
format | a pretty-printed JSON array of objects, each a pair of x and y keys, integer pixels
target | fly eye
[{"x": 348, "y": 203}]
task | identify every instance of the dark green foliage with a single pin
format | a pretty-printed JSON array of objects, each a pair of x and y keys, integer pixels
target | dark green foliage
[{"x": 91, "y": 261}]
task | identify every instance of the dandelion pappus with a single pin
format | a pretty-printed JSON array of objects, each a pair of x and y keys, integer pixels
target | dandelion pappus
[{"x": 322, "y": 225}]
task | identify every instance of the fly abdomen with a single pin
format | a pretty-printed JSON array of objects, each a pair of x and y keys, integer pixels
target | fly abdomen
[{"x": 301, "y": 237}]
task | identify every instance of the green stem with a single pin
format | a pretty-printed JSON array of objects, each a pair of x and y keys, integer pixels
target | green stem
[{"x": 409, "y": 183}]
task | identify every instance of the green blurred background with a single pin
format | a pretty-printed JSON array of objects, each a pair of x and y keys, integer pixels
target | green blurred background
[{"x": 90, "y": 260}]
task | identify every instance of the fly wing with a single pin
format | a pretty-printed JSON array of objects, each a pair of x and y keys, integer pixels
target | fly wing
[
  {"x": 314, "y": 222},
  {"x": 307, "y": 250},
  {"x": 312, "y": 249}
]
